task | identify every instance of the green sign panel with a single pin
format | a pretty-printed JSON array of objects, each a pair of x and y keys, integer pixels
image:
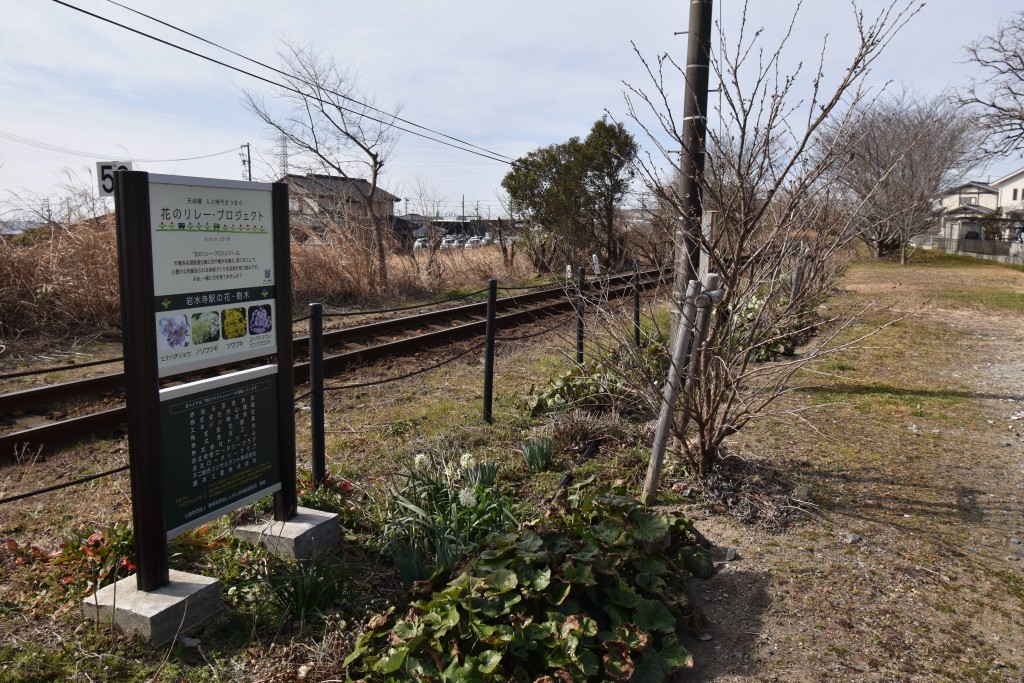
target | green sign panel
[{"x": 220, "y": 446}]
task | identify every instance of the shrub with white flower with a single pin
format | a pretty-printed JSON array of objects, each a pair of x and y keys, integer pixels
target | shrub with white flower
[
  {"x": 467, "y": 498},
  {"x": 467, "y": 461},
  {"x": 420, "y": 460}
]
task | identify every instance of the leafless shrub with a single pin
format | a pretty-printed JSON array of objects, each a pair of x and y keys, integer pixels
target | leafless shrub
[{"x": 780, "y": 224}]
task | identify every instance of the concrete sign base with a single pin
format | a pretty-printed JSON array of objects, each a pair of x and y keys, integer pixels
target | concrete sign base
[
  {"x": 158, "y": 616},
  {"x": 301, "y": 537}
]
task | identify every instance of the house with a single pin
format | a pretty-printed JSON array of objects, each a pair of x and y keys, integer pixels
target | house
[
  {"x": 1011, "y": 191},
  {"x": 316, "y": 199},
  {"x": 963, "y": 210}
]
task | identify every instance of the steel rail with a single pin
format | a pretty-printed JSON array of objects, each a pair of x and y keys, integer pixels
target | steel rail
[
  {"x": 28, "y": 399},
  {"x": 107, "y": 420}
]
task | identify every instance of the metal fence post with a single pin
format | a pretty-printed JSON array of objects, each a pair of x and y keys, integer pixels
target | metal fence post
[
  {"x": 670, "y": 392},
  {"x": 581, "y": 282},
  {"x": 492, "y": 305},
  {"x": 636, "y": 306},
  {"x": 316, "y": 393}
]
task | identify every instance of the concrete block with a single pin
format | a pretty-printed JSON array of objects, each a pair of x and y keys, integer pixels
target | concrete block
[
  {"x": 301, "y": 537},
  {"x": 157, "y": 616}
]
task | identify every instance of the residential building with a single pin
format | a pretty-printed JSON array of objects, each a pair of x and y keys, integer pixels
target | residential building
[
  {"x": 1011, "y": 191},
  {"x": 316, "y": 198},
  {"x": 964, "y": 208}
]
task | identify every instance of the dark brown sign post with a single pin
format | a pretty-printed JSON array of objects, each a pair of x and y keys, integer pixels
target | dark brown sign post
[{"x": 205, "y": 282}]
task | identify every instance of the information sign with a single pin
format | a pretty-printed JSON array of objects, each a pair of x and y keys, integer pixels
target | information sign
[
  {"x": 220, "y": 446},
  {"x": 213, "y": 272}
]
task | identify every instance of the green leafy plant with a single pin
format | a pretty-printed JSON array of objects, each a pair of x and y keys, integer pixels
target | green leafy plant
[
  {"x": 436, "y": 516},
  {"x": 539, "y": 452},
  {"x": 595, "y": 593},
  {"x": 615, "y": 381},
  {"x": 282, "y": 588}
]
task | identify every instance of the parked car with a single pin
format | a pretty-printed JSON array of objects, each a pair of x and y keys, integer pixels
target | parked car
[
  {"x": 420, "y": 243},
  {"x": 473, "y": 243}
]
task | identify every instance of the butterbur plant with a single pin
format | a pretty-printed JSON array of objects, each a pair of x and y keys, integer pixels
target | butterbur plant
[
  {"x": 595, "y": 593},
  {"x": 539, "y": 452}
]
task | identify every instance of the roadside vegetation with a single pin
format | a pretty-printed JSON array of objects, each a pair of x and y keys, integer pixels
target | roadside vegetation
[{"x": 460, "y": 517}]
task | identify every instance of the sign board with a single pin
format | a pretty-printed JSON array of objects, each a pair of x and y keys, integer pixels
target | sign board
[
  {"x": 204, "y": 274},
  {"x": 105, "y": 175},
  {"x": 219, "y": 442},
  {"x": 213, "y": 272}
]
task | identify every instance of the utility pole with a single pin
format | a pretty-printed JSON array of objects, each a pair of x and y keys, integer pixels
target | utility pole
[
  {"x": 246, "y": 162},
  {"x": 691, "y": 158},
  {"x": 284, "y": 156}
]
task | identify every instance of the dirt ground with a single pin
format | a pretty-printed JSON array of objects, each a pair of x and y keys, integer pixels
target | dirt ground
[{"x": 909, "y": 563}]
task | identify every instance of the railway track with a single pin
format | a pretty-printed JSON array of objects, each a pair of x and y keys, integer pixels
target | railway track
[{"x": 343, "y": 348}]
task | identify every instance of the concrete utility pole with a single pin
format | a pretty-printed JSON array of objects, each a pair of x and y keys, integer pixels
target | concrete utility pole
[{"x": 691, "y": 159}]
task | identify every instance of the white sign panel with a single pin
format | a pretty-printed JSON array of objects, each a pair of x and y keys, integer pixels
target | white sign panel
[
  {"x": 105, "y": 175},
  {"x": 213, "y": 271}
]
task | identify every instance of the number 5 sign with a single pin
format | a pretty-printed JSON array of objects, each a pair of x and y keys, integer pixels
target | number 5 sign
[{"x": 105, "y": 175}]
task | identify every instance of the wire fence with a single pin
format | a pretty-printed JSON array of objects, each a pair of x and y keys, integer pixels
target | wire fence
[
  {"x": 336, "y": 387},
  {"x": 67, "y": 484},
  {"x": 76, "y": 366}
]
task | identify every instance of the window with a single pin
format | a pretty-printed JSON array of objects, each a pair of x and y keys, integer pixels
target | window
[
  {"x": 968, "y": 201},
  {"x": 1015, "y": 194}
]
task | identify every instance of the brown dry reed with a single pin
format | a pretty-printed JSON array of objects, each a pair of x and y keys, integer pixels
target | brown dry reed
[{"x": 61, "y": 281}]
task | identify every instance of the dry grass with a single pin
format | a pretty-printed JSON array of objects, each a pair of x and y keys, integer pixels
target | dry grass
[{"x": 61, "y": 282}]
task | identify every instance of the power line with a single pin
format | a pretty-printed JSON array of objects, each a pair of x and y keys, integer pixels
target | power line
[
  {"x": 275, "y": 83},
  {"x": 286, "y": 75},
  {"x": 93, "y": 155}
]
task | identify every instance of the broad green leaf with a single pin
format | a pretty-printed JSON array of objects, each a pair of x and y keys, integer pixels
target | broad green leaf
[
  {"x": 393, "y": 661},
  {"x": 652, "y": 615},
  {"x": 489, "y": 660},
  {"x": 650, "y": 526},
  {"x": 675, "y": 655},
  {"x": 578, "y": 573},
  {"x": 502, "y": 581},
  {"x": 405, "y": 630},
  {"x": 649, "y": 669},
  {"x": 618, "y": 664},
  {"x": 698, "y": 562}
]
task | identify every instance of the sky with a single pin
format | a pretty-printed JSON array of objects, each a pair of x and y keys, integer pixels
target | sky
[{"x": 506, "y": 76}]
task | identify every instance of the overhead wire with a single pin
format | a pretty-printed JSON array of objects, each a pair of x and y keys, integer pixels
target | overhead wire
[
  {"x": 285, "y": 74},
  {"x": 93, "y": 155},
  {"x": 278, "y": 85}
]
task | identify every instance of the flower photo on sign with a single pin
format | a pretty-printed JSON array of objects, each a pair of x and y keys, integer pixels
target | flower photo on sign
[
  {"x": 259, "y": 319},
  {"x": 233, "y": 322},
  {"x": 172, "y": 332},
  {"x": 205, "y": 327}
]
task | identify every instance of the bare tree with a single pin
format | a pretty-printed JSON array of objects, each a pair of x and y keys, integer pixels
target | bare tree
[
  {"x": 780, "y": 221},
  {"x": 902, "y": 149},
  {"x": 998, "y": 90},
  {"x": 331, "y": 126}
]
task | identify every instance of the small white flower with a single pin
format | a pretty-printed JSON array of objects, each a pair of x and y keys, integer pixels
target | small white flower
[
  {"x": 467, "y": 498},
  {"x": 420, "y": 461},
  {"x": 467, "y": 461}
]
